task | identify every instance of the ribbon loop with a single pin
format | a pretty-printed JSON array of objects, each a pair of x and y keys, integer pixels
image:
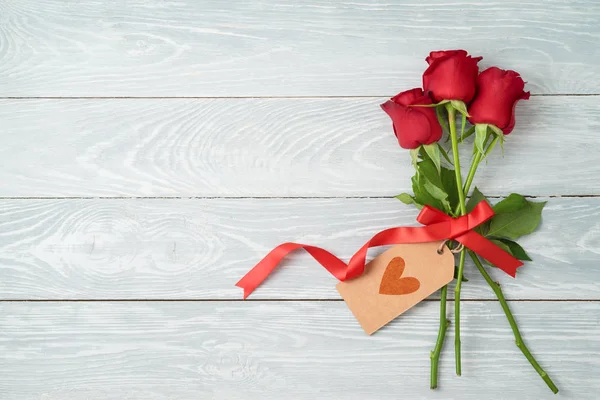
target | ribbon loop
[{"x": 438, "y": 226}]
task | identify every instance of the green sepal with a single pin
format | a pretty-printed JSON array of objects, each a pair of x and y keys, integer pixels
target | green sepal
[
  {"x": 439, "y": 112},
  {"x": 429, "y": 105},
  {"x": 496, "y": 130},
  {"x": 467, "y": 134},
  {"x": 481, "y": 137},
  {"x": 460, "y": 106},
  {"x": 414, "y": 156},
  {"x": 444, "y": 153},
  {"x": 492, "y": 145}
]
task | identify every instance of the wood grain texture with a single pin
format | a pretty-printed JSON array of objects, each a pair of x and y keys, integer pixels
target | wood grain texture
[
  {"x": 268, "y": 48},
  {"x": 269, "y": 147},
  {"x": 199, "y": 248},
  {"x": 307, "y": 350}
]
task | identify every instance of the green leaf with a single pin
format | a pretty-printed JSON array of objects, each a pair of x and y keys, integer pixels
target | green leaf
[
  {"x": 483, "y": 229},
  {"x": 408, "y": 199},
  {"x": 433, "y": 151},
  {"x": 435, "y": 188},
  {"x": 460, "y": 106},
  {"x": 516, "y": 250},
  {"x": 427, "y": 169},
  {"x": 437, "y": 193},
  {"x": 422, "y": 196},
  {"x": 449, "y": 184},
  {"x": 476, "y": 198},
  {"x": 432, "y": 182},
  {"x": 481, "y": 136},
  {"x": 515, "y": 217},
  {"x": 514, "y": 202}
]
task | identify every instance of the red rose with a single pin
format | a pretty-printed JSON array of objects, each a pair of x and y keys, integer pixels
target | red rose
[
  {"x": 497, "y": 94},
  {"x": 413, "y": 126},
  {"x": 451, "y": 75}
]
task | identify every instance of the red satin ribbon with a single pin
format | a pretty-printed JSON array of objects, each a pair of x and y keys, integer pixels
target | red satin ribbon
[{"x": 438, "y": 226}]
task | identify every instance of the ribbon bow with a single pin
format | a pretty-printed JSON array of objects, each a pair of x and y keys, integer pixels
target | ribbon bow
[{"x": 438, "y": 226}]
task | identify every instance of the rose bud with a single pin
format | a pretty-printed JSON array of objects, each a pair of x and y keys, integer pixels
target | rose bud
[
  {"x": 413, "y": 126},
  {"x": 498, "y": 92},
  {"x": 451, "y": 75}
]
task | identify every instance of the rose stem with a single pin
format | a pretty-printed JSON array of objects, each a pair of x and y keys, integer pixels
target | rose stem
[
  {"x": 472, "y": 170},
  {"x": 435, "y": 354},
  {"x": 461, "y": 263},
  {"x": 513, "y": 324}
]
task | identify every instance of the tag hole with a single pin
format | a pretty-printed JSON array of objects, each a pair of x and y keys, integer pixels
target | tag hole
[{"x": 440, "y": 251}]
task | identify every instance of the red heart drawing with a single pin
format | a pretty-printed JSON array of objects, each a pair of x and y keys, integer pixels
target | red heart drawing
[{"x": 392, "y": 281}]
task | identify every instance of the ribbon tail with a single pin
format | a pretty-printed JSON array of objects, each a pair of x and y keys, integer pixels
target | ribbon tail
[
  {"x": 259, "y": 273},
  {"x": 488, "y": 250},
  {"x": 247, "y": 290}
]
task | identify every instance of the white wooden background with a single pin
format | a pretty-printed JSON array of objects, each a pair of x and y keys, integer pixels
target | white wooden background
[{"x": 152, "y": 151}]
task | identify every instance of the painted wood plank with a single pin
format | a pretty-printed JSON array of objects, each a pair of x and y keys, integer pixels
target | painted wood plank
[
  {"x": 268, "y": 48},
  {"x": 269, "y": 147},
  {"x": 303, "y": 350},
  {"x": 199, "y": 248}
]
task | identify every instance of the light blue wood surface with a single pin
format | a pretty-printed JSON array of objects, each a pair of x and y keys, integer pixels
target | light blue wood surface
[
  {"x": 270, "y": 148},
  {"x": 198, "y": 248},
  {"x": 285, "y": 48},
  {"x": 126, "y": 221},
  {"x": 300, "y": 350}
]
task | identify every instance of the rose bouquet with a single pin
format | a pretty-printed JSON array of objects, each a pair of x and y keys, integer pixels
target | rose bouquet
[
  {"x": 458, "y": 100},
  {"x": 466, "y": 105}
]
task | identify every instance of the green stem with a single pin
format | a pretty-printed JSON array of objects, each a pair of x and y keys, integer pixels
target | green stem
[
  {"x": 461, "y": 263},
  {"x": 471, "y": 174},
  {"x": 461, "y": 267},
  {"x": 513, "y": 324},
  {"x": 454, "y": 139},
  {"x": 476, "y": 160},
  {"x": 435, "y": 354}
]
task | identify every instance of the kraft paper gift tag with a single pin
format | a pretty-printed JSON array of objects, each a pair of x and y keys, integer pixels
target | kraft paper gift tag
[{"x": 395, "y": 281}]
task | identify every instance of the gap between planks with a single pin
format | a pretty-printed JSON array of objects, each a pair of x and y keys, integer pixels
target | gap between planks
[
  {"x": 274, "y": 300},
  {"x": 552, "y": 196},
  {"x": 247, "y": 97}
]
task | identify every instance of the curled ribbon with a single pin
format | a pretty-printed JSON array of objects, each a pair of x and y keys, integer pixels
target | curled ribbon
[{"x": 438, "y": 226}]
